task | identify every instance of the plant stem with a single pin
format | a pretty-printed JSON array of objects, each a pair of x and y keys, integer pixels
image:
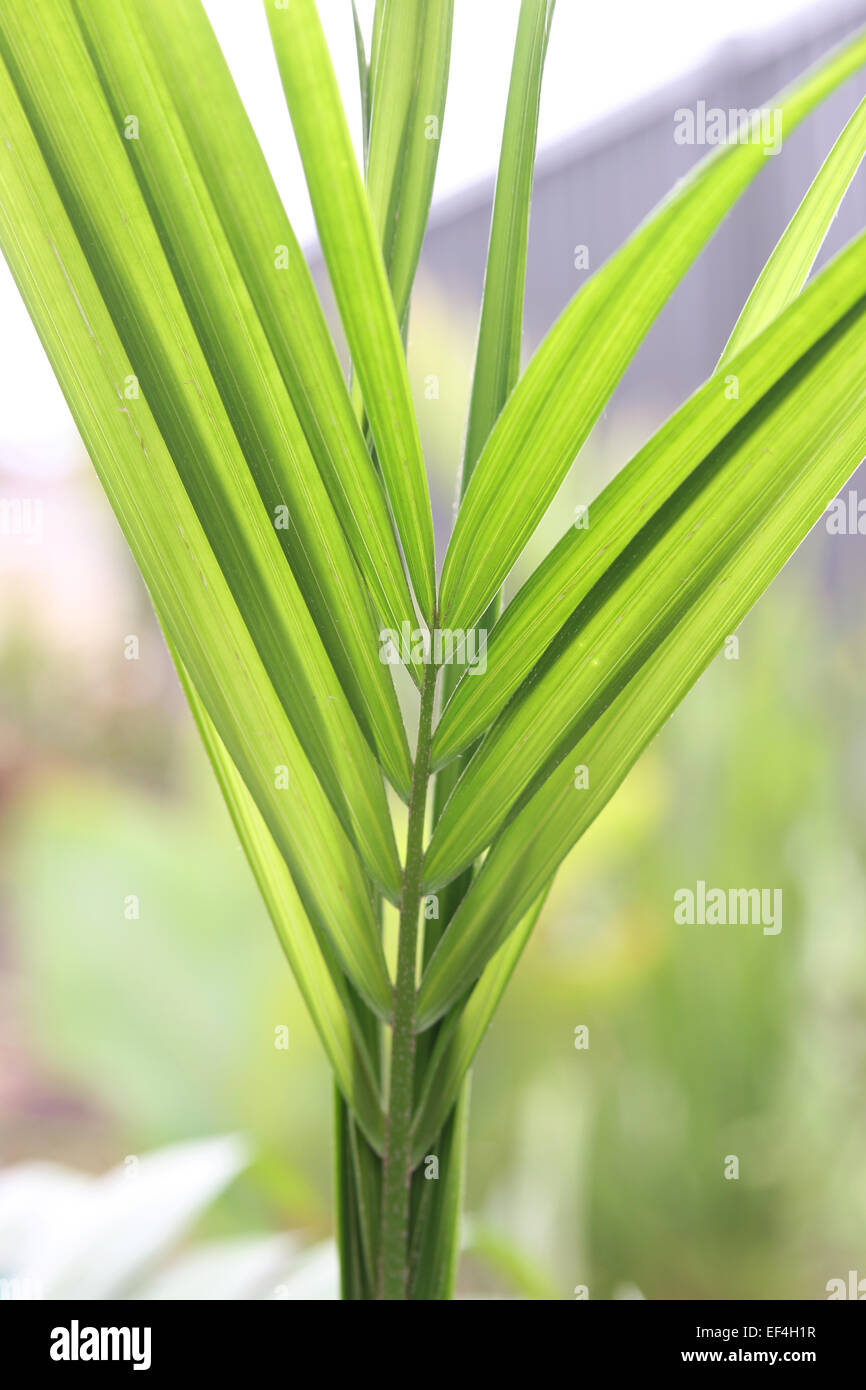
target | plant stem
[{"x": 397, "y": 1160}]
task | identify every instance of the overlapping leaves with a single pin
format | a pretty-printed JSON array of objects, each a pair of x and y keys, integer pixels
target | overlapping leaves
[{"x": 270, "y": 514}]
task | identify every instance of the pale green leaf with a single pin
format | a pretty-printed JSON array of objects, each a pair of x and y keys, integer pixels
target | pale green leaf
[
  {"x": 358, "y": 277},
  {"x": 363, "y": 78},
  {"x": 407, "y": 105},
  {"x": 788, "y": 267},
  {"x": 497, "y": 358}
]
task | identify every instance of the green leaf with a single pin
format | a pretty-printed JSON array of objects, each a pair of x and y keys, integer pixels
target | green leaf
[
  {"x": 188, "y": 588},
  {"x": 356, "y": 1215},
  {"x": 461, "y": 1033},
  {"x": 782, "y": 465},
  {"x": 788, "y": 267},
  {"x": 566, "y": 575},
  {"x": 354, "y": 1285},
  {"x": 363, "y": 79},
  {"x": 316, "y": 973},
  {"x": 85, "y": 152},
  {"x": 497, "y": 359},
  {"x": 358, "y": 277},
  {"x": 279, "y": 283},
  {"x": 376, "y": 41},
  {"x": 435, "y": 1248},
  {"x": 246, "y": 373},
  {"x": 566, "y": 385},
  {"x": 407, "y": 91},
  {"x": 367, "y": 1172}
]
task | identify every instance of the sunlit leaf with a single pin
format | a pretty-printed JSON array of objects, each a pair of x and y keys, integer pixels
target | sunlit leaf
[{"x": 358, "y": 276}]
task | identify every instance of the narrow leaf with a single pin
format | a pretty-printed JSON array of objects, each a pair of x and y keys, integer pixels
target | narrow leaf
[
  {"x": 368, "y": 1175},
  {"x": 358, "y": 277},
  {"x": 497, "y": 359},
  {"x": 435, "y": 1250},
  {"x": 788, "y": 267},
  {"x": 407, "y": 98},
  {"x": 354, "y": 1286},
  {"x": 363, "y": 79}
]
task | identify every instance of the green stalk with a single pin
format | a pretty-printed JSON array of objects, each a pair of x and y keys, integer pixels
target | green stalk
[
  {"x": 346, "y": 1205},
  {"x": 397, "y": 1161}
]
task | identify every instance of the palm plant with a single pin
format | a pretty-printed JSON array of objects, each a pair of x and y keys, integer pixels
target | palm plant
[{"x": 280, "y": 514}]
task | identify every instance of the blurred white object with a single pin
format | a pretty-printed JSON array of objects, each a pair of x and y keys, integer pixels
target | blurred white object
[{"x": 68, "y": 1235}]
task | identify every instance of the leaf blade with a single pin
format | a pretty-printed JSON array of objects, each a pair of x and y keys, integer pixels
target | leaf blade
[
  {"x": 497, "y": 359},
  {"x": 408, "y": 89},
  {"x": 363, "y": 78},
  {"x": 788, "y": 267},
  {"x": 358, "y": 278},
  {"x": 435, "y": 1246}
]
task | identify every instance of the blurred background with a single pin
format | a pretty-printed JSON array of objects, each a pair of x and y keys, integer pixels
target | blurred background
[{"x": 140, "y": 982}]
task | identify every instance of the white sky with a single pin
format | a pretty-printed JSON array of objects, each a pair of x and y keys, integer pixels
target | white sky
[{"x": 601, "y": 57}]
